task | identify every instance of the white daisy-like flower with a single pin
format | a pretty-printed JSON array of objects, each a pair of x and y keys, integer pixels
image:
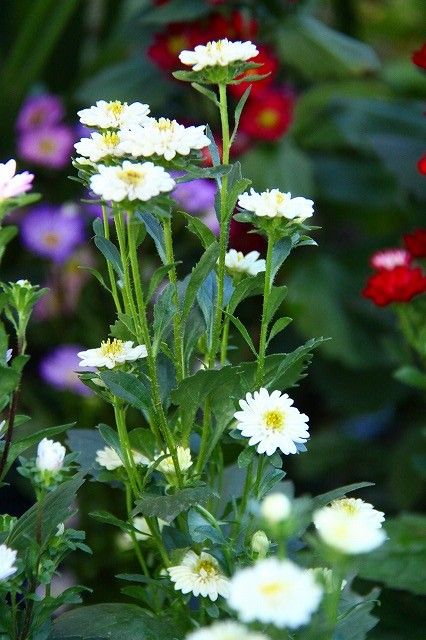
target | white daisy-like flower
[
  {"x": 390, "y": 258},
  {"x": 218, "y": 53},
  {"x": 200, "y": 575},
  {"x": 132, "y": 181},
  {"x": 165, "y": 138},
  {"x": 271, "y": 422},
  {"x": 112, "y": 353},
  {"x": 250, "y": 264},
  {"x": 109, "y": 458},
  {"x": 276, "y": 204},
  {"x": 114, "y": 114},
  {"x": 99, "y": 145},
  {"x": 275, "y": 508},
  {"x": 274, "y": 591},
  {"x": 13, "y": 184},
  {"x": 350, "y": 525},
  {"x": 50, "y": 455},
  {"x": 225, "y": 630},
  {"x": 7, "y": 562},
  {"x": 166, "y": 465}
]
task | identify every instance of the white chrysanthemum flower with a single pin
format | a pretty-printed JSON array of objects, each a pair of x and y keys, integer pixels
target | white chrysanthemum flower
[
  {"x": 112, "y": 353},
  {"x": 100, "y": 145},
  {"x": 109, "y": 458},
  {"x": 274, "y": 591},
  {"x": 7, "y": 562},
  {"x": 200, "y": 575},
  {"x": 275, "y": 508},
  {"x": 132, "y": 181},
  {"x": 50, "y": 455},
  {"x": 271, "y": 422},
  {"x": 237, "y": 262},
  {"x": 114, "y": 114},
  {"x": 166, "y": 465},
  {"x": 350, "y": 525},
  {"x": 326, "y": 578},
  {"x": 218, "y": 53},
  {"x": 225, "y": 630},
  {"x": 276, "y": 204},
  {"x": 165, "y": 138}
]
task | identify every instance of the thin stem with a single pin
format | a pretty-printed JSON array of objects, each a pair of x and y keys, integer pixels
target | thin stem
[
  {"x": 331, "y": 603},
  {"x": 129, "y": 463},
  {"x": 264, "y": 322},
  {"x": 225, "y": 338},
  {"x": 205, "y": 431},
  {"x": 129, "y": 303},
  {"x": 135, "y": 543},
  {"x": 111, "y": 274}
]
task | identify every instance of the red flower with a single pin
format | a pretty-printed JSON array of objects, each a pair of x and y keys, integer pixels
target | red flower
[
  {"x": 167, "y": 45},
  {"x": 416, "y": 243},
  {"x": 421, "y": 165},
  {"x": 241, "y": 144},
  {"x": 400, "y": 284},
  {"x": 237, "y": 26},
  {"x": 241, "y": 240},
  {"x": 419, "y": 57},
  {"x": 268, "y": 116},
  {"x": 269, "y": 65}
]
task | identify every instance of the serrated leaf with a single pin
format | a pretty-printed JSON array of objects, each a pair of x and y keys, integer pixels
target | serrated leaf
[
  {"x": 110, "y": 253},
  {"x": 276, "y": 297},
  {"x": 197, "y": 227},
  {"x": 167, "y": 507},
  {"x": 238, "y": 111},
  {"x": 197, "y": 277},
  {"x": 128, "y": 387},
  {"x": 246, "y": 456}
]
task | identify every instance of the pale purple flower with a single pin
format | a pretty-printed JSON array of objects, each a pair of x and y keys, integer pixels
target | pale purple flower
[
  {"x": 198, "y": 197},
  {"x": 50, "y": 147},
  {"x": 39, "y": 112},
  {"x": 52, "y": 232},
  {"x": 58, "y": 368},
  {"x": 11, "y": 183}
]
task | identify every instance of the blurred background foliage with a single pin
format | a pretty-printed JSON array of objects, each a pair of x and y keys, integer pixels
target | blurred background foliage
[{"x": 341, "y": 120}]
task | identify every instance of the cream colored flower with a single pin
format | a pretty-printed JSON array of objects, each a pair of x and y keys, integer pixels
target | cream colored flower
[
  {"x": 276, "y": 204},
  {"x": 200, "y": 575},
  {"x": 274, "y": 592},
  {"x": 7, "y": 562},
  {"x": 218, "y": 53},
  {"x": 166, "y": 465},
  {"x": 114, "y": 114},
  {"x": 50, "y": 455},
  {"x": 109, "y": 458},
  {"x": 99, "y": 145},
  {"x": 271, "y": 422},
  {"x": 225, "y": 630},
  {"x": 350, "y": 525},
  {"x": 131, "y": 181},
  {"x": 275, "y": 508},
  {"x": 237, "y": 262},
  {"x": 112, "y": 353}
]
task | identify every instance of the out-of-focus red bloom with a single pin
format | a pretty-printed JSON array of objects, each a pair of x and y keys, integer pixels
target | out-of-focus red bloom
[
  {"x": 269, "y": 65},
  {"x": 241, "y": 240},
  {"x": 419, "y": 57},
  {"x": 241, "y": 144},
  {"x": 390, "y": 258},
  {"x": 416, "y": 243},
  {"x": 168, "y": 44},
  {"x": 238, "y": 26},
  {"x": 421, "y": 165},
  {"x": 268, "y": 116},
  {"x": 400, "y": 284}
]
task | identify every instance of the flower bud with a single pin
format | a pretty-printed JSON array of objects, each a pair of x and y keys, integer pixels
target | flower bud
[
  {"x": 275, "y": 508},
  {"x": 260, "y": 543},
  {"x": 50, "y": 456}
]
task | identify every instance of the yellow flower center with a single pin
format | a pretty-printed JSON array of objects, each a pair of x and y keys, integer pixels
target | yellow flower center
[
  {"x": 206, "y": 568},
  {"x": 47, "y": 145},
  {"x": 164, "y": 124},
  {"x": 272, "y": 589},
  {"x": 274, "y": 419},
  {"x": 346, "y": 504},
  {"x": 116, "y": 108},
  {"x": 131, "y": 176},
  {"x": 110, "y": 139},
  {"x": 51, "y": 239},
  {"x": 280, "y": 198},
  {"x": 112, "y": 348},
  {"x": 268, "y": 118}
]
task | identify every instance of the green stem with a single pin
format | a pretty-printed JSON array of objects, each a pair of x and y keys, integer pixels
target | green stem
[
  {"x": 111, "y": 274},
  {"x": 264, "y": 322},
  {"x": 129, "y": 304},
  {"x": 331, "y": 604},
  {"x": 177, "y": 317},
  {"x": 135, "y": 543},
  {"x": 129, "y": 463},
  {"x": 225, "y": 338},
  {"x": 205, "y": 431}
]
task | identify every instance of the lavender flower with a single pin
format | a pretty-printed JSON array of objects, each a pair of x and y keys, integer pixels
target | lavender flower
[
  {"x": 39, "y": 112},
  {"x": 52, "y": 232},
  {"x": 49, "y": 146},
  {"x": 58, "y": 368},
  {"x": 198, "y": 197}
]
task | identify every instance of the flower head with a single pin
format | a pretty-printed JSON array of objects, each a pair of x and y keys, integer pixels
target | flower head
[
  {"x": 419, "y": 57},
  {"x": 49, "y": 147},
  {"x": 416, "y": 243},
  {"x": 114, "y": 114},
  {"x": 131, "y": 181},
  {"x": 100, "y": 145},
  {"x": 390, "y": 258},
  {"x": 350, "y": 525},
  {"x": 7, "y": 562},
  {"x": 225, "y": 630},
  {"x": 58, "y": 368},
  {"x": 166, "y": 465},
  {"x": 271, "y": 422},
  {"x": 274, "y": 591},
  {"x": 39, "y": 112},
  {"x": 275, "y": 508},
  {"x": 268, "y": 114},
  {"x": 399, "y": 284},
  {"x": 276, "y": 204},
  {"x": 200, "y": 575},
  {"x": 13, "y": 184},
  {"x": 52, "y": 232},
  {"x": 112, "y": 353},
  {"x": 237, "y": 262},
  {"x": 218, "y": 53},
  {"x": 50, "y": 455},
  {"x": 109, "y": 458}
]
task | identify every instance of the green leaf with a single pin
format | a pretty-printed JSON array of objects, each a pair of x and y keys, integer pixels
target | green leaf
[
  {"x": 275, "y": 299},
  {"x": 128, "y": 387},
  {"x": 355, "y": 619},
  {"x": 110, "y": 253},
  {"x": 200, "y": 529},
  {"x": 214, "y": 151},
  {"x": 164, "y": 311},
  {"x": 243, "y": 331},
  {"x": 21, "y": 444},
  {"x": 280, "y": 253},
  {"x": 206, "y": 92},
  {"x": 238, "y": 110},
  {"x": 169, "y": 506},
  {"x": 198, "y": 275},
  {"x": 155, "y": 230},
  {"x": 324, "y": 499},
  {"x": 247, "y": 287},
  {"x": 411, "y": 376},
  {"x": 278, "y": 326},
  {"x": 158, "y": 277},
  {"x": 246, "y": 456},
  {"x": 108, "y": 518},
  {"x": 197, "y": 226}
]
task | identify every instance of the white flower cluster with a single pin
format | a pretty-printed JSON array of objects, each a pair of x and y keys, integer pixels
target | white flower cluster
[
  {"x": 218, "y": 53},
  {"x": 276, "y": 204}
]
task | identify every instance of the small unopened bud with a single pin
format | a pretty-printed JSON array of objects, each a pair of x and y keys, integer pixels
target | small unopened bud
[
  {"x": 260, "y": 543},
  {"x": 275, "y": 508},
  {"x": 50, "y": 456}
]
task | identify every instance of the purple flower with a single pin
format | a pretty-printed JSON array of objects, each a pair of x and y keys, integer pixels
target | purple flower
[
  {"x": 59, "y": 366},
  {"x": 52, "y": 232},
  {"x": 39, "y": 112},
  {"x": 198, "y": 197},
  {"x": 49, "y": 147}
]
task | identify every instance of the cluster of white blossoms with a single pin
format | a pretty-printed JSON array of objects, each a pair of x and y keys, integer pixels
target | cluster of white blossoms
[
  {"x": 271, "y": 422},
  {"x": 50, "y": 456},
  {"x": 200, "y": 575},
  {"x": 112, "y": 353},
  {"x": 238, "y": 263},
  {"x": 276, "y": 592},
  {"x": 219, "y": 53},
  {"x": 225, "y": 630},
  {"x": 131, "y": 181},
  {"x": 350, "y": 525},
  {"x": 109, "y": 458},
  {"x": 7, "y": 562},
  {"x": 276, "y": 204},
  {"x": 114, "y": 114},
  {"x": 167, "y": 466}
]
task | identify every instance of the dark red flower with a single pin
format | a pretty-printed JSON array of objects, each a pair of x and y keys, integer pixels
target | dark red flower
[
  {"x": 416, "y": 243},
  {"x": 237, "y": 26},
  {"x": 241, "y": 144},
  {"x": 168, "y": 44},
  {"x": 241, "y": 240},
  {"x": 400, "y": 284},
  {"x": 419, "y": 57},
  {"x": 268, "y": 116},
  {"x": 269, "y": 65},
  {"x": 421, "y": 165}
]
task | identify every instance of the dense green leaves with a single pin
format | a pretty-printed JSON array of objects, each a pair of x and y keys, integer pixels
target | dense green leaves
[
  {"x": 167, "y": 507},
  {"x": 128, "y": 387}
]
